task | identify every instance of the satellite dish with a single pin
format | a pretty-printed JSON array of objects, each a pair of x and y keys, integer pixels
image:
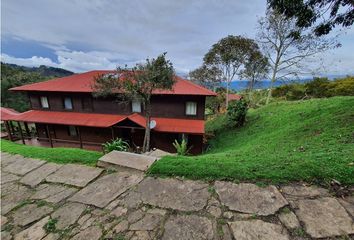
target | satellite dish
[{"x": 152, "y": 124}]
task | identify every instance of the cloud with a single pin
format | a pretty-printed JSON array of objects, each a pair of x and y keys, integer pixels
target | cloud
[
  {"x": 29, "y": 62},
  {"x": 79, "y": 61},
  {"x": 92, "y": 34},
  {"x": 75, "y": 61},
  {"x": 136, "y": 29}
]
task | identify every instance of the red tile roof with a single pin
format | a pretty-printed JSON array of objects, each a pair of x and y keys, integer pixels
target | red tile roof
[
  {"x": 232, "y": 97},
  {"x": 70, "y": 118},
  {"x": 179, "y": 125},
  {"x": 83, "y": 83},
  {"x": 7, "y": 113},
  {"x": 107, "y": 120},
  {"x": 171, "y": 124}
]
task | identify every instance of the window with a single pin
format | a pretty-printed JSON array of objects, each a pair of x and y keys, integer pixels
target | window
[
  {"x": 68, "y": 104},
  {"x": 191, "y": 108},
  {"x": 44, "y": 102},
  {"x": 72, "y": 131},
  {"x": 136, "y": 106}
]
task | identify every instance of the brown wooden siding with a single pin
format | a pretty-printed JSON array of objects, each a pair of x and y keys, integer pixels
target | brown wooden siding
[{"x": 169, "y": 106}]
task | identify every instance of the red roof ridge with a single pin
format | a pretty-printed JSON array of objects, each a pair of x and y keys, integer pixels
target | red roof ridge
[
  {"x": 198, "y": 86},
  {"x": 82, "y": 82}
]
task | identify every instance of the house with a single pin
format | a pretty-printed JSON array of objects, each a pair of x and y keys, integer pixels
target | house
[
  {"x": 233, "y": 97},
  {"x": 64, "y": 110}
]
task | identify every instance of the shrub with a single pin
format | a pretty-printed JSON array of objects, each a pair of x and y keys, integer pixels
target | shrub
[
  {"x": 293, "y": 91},
  {"x": 318, "y": 88},
  {"x": 116, "y": 144},
  {"x": 236, "y": 112},
  {"x": 342, "y": 87},
  {"x": 181, "y": 148}
]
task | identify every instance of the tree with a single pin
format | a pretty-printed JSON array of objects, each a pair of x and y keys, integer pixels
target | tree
[
  {"x": 324, "y": 14},
  {"x": 229, "y": 55},
  {"x": 138, "y": 82},
  {"x": 207, "y": 76},
  {"x": 287, "y": 53},
  {"x": 256, "y": 69},
  {"x": 12, "y": 77}
]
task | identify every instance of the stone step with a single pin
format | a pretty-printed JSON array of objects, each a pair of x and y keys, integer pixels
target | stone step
[{"x": 126, "y": 161}]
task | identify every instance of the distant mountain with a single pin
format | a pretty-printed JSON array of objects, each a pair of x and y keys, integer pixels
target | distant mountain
[
  {"x": 264, "y": 84},
  {"x": 44, "y": 71},
  {"x": 13, "y": 75},
  {"x": 239, "y": 85}
]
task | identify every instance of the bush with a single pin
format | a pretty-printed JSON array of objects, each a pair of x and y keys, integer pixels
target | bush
[
  {"x": 318, "y": 88},
  {"x": 117, "y": 144},
  {"x": 236, "y": 112},
  {"x": 181, "y": 148},
  {"x": 342, "y": 87},
  {"x": 293, "y": 91}
]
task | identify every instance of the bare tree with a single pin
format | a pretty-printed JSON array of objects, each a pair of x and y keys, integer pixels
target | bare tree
[{"x": 288, "y": 46}]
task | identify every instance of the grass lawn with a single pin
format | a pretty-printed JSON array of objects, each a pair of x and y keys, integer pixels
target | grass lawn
[
  {"x": 57, "y": 155},
  {"x": 310, "y": 140}
]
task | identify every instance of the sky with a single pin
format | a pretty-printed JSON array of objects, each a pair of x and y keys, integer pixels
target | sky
[{"x": 83, "y": 35}]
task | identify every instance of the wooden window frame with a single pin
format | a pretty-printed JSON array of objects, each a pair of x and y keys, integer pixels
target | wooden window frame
[
  {"x": 186, "y": 107},
  {"x": 40, "y": 102},
  {"x": 132, "y": 104},
  {"x": 72, "y": 104}
]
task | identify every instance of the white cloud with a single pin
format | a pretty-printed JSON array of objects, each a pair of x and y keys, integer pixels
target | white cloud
[
  {"x": 79, "y": 61},
  {"x": 29, "y": 62},
  {"x": 75, "y": 61},
  {"x": 135, "y": 28},
  {"x": 99, "y": 34}
]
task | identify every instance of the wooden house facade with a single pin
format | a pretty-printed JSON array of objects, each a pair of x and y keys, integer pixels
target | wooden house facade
[{"x": 64, "y": 109}]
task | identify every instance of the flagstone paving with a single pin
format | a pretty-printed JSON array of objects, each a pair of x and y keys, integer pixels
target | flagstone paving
[
  {"x": 9, "y": 177},
  {"x": 52, "y": 193},
  {"x": 249, "y": 198},
  {"x": 23, "y": 166},
  {"x": 36, "y": 176},
  {"x": 76, "y": 175},
  {"x": 46, "y": 201}
]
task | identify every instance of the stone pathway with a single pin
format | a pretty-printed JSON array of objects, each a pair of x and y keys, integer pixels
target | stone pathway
[{"x": 48, "y": 201}]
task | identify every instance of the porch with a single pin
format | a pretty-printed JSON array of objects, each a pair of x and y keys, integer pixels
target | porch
[
  {"x": 60, "y": 143},
  {"x": 90, "y": 131},
  {"x": 54, "y": 135}
]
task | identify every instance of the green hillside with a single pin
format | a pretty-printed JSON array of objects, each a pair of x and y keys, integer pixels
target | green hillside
[{"x": 309, "y": 140}]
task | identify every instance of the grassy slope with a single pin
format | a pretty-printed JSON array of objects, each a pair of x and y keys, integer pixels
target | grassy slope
[
  {"x": 288, "y": 141},
  {"x": 57, "y": 155}
]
